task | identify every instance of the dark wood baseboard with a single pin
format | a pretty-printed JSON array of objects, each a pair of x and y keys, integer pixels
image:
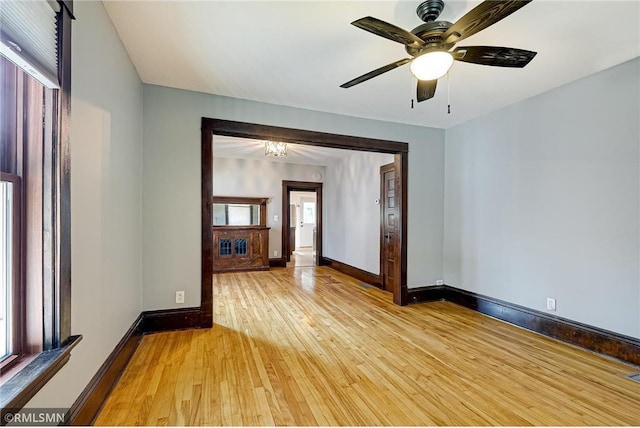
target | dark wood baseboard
[
  {"x": 86, "y": 407},
  {"x": 236, "y": 270},
  {"x": 357, "y": 273},
  {"x": 171, "y": 319},
  {"x": 273, "y": 263},
  {"x": 431, "y": 293},
  {"x": 595, "y": 339}
]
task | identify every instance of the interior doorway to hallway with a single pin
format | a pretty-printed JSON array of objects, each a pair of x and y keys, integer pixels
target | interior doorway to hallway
[
  {"x": 303, "y": 228},
  {"x": 301, "y": 223}
]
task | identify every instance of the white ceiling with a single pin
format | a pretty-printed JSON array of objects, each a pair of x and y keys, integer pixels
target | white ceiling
[
  {"x": 244, "y": 148},
  {"x": 297, "y": 53}
]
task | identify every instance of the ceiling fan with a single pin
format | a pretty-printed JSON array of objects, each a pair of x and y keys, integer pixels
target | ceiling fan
[{"x": 431, "y": 44}]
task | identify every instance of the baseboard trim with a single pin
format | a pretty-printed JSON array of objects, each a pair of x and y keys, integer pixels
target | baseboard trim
[
  {"x": 171, "y": 319},
  {"x": 595, "y": 339},
  {"x": 357, "y": 273},
  {"x": 86, "y": 407},
  {"x": 431, "y": 293},
  {"x": 274, "y": 263}
]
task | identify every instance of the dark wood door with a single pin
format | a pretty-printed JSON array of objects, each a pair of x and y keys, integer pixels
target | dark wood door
[{"x": 389, "y": 230}]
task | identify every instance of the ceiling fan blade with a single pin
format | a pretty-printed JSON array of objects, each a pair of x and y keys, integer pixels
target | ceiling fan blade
[
  {"x": 374, "y": 73},
  {"x": 480, "y": 17},
  {"x": 493, "y": 55},
  {"x": 388, "y": 31},
  {"x": 426, "y": 89}
]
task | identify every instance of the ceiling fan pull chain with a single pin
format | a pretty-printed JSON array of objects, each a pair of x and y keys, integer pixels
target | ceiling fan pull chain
[
  {"x": 412, "y": 83},
  {"x": 448, "y": 94}
]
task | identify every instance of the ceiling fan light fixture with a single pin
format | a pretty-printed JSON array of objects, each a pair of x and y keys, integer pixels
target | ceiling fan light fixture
[
  {"x": 275, "y": 148},
  {"x": 431, "y": 65}
]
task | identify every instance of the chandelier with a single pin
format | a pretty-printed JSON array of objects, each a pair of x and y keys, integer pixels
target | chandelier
[{"x": 275, "y": 148}]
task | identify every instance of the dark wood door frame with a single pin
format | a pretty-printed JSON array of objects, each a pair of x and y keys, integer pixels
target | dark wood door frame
[
  {"x": 302, "y": 186},
  {"x": 211, "y": 127}
]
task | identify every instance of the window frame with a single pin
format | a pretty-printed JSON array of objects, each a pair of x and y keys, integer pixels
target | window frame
[{"x": 33, "y": 371}]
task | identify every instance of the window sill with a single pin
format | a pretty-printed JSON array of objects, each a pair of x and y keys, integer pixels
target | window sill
[
  {"x": 23, "y": 386},
  {"x": 12, "y": 368}
]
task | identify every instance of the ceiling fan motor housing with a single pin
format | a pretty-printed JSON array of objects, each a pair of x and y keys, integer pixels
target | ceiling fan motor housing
[{"x": 431, "y": 33}]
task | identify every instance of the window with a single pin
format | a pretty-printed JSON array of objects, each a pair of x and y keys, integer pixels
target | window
[
  {"x": 25, "y": 165},
  {"x": 35, "y": 265},
  {"x": 9, "y": 273},
  {"x": 309, "y": 212}
]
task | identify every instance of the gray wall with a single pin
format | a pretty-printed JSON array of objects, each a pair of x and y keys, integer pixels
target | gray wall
[
  {"x": 351, "y": 222},
  {"x": 106, "y": 129},
  {"x": 260, "y": 178},
  {"x": 542, "y": 200},
  {"x": 171, "y": 184}
]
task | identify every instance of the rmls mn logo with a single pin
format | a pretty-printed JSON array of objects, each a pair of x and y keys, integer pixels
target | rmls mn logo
[{"x": 33, "y": 417}]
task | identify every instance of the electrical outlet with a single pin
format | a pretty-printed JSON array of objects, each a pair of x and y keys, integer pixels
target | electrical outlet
[
  {"x": 276, "y": 217},
  {"x": 275, "y": 253},
  {"x": 439, "y": 282},
  {"x": 551, "y": 304},
  {"x": 179, "y": 296}
]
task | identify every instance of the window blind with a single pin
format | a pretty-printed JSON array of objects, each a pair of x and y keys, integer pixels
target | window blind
[{"x": 28, "y": 37}]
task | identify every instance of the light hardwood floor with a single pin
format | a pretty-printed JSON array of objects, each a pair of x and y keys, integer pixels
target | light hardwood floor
[
  {"x": 302, "y": 257},
  {"x": 311, "y": 346}
]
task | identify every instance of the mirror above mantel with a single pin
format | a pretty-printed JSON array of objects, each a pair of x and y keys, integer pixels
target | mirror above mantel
[{"x": 236, "y": 211}]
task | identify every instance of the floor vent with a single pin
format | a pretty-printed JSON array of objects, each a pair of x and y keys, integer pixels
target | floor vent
[
  {"x": 634, "y": 376},
  {"x": 365, "y": 286}
]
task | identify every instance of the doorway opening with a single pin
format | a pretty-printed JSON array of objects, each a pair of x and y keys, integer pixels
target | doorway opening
[
  {"x": 211, "y": 128},
  {"x": 303, "y": 229},
  {"x": 302, "y": 223}
]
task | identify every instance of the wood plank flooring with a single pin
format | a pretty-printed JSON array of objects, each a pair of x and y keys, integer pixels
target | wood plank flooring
[{"x": 311, "y": 346}]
